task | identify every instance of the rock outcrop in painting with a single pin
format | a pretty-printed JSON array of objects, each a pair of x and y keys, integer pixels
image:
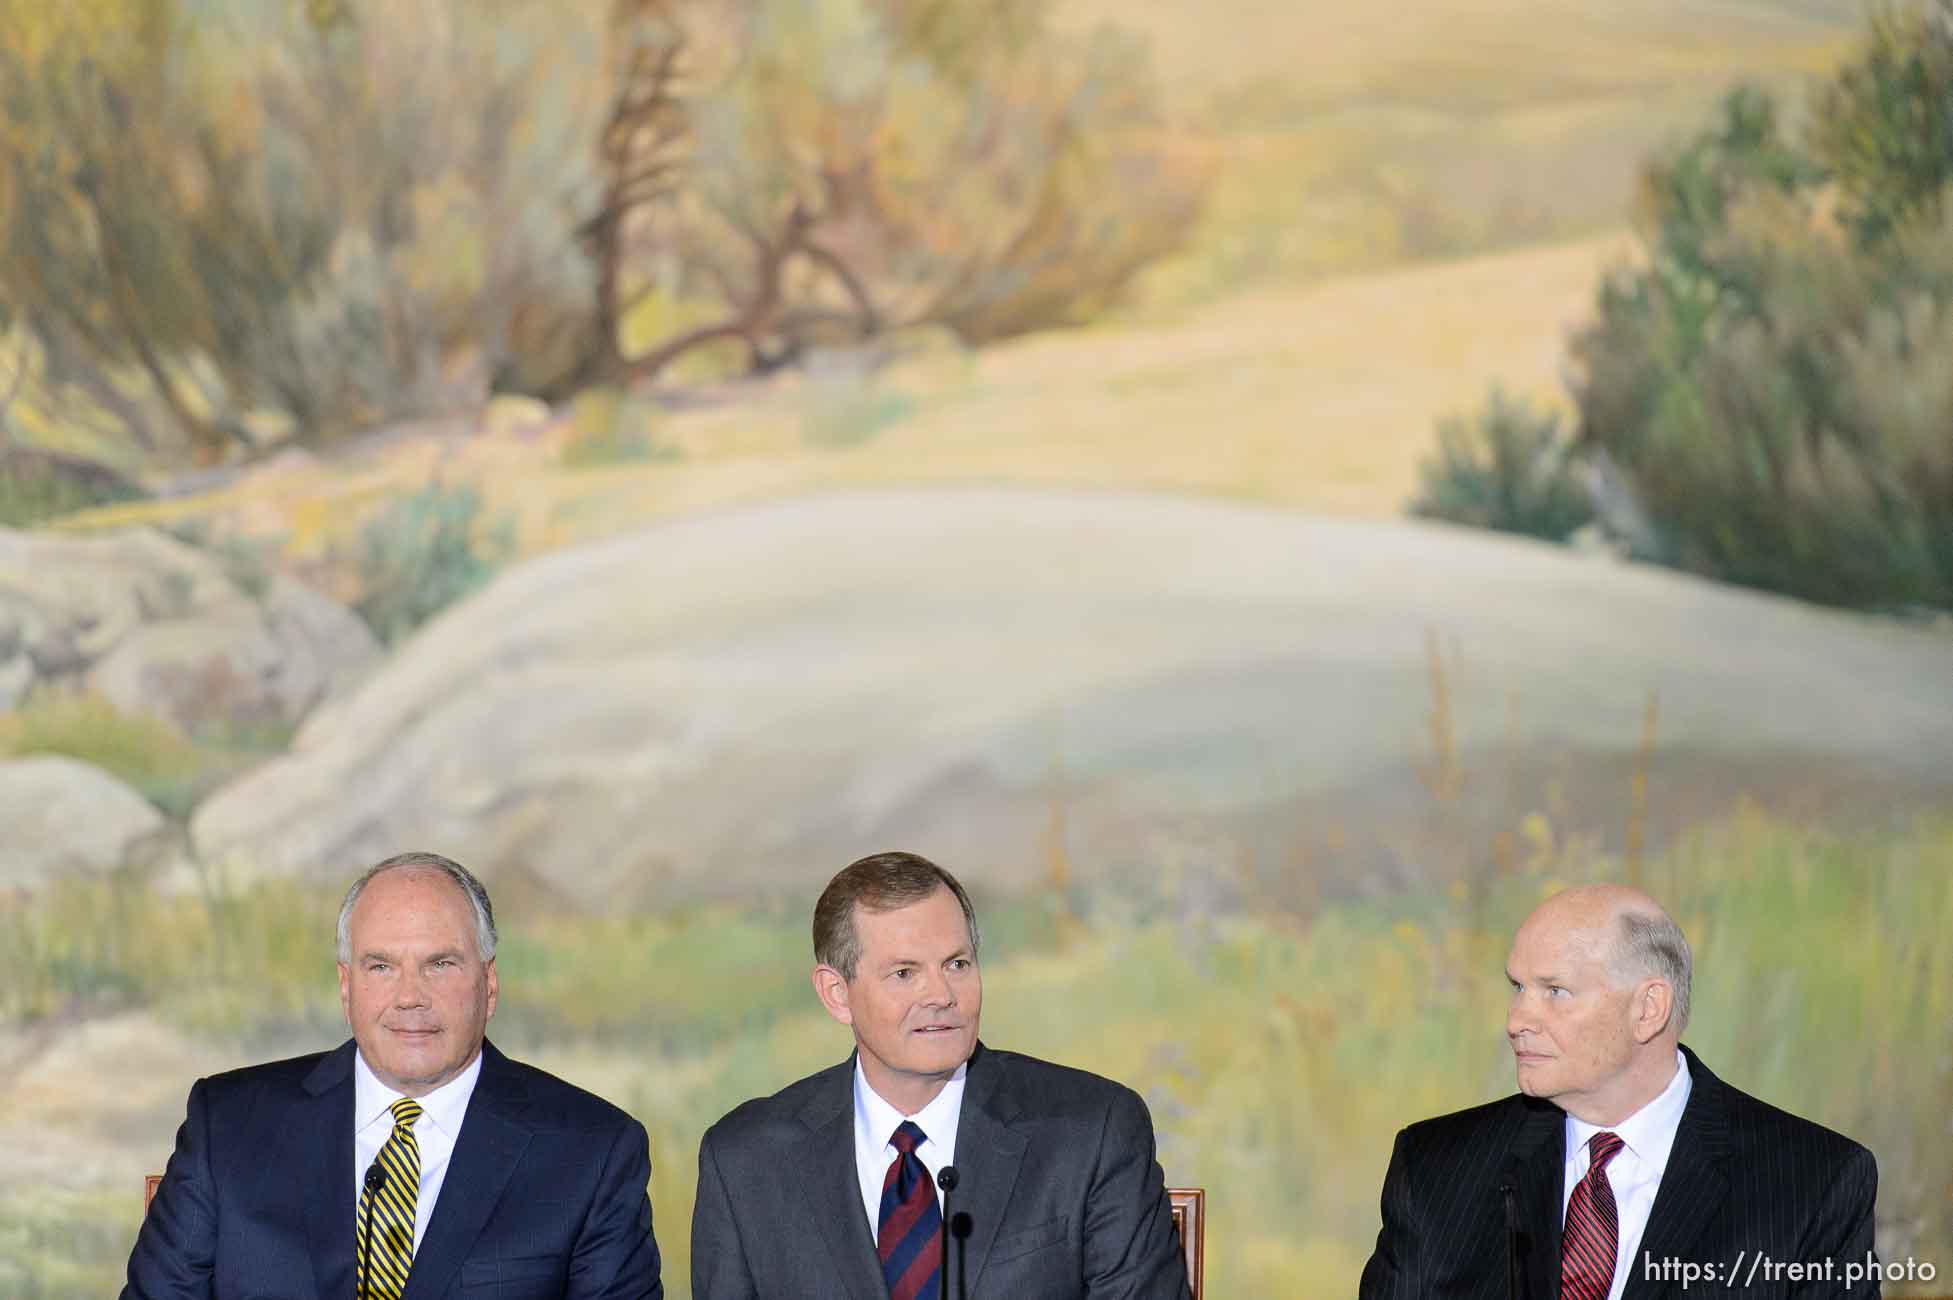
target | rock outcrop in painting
[
  {"x": 735, "y": 701},
  {"x": 159, "y": 627}
]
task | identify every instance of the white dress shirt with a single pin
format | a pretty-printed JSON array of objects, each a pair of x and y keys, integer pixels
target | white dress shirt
[
  {"x": 1635, "y": 1171},
  {"x": 875, "y": 1122},
  {"x": 442, "y": 1111}
]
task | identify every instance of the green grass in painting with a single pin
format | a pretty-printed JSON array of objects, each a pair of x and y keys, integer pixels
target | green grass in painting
[
  {"x": 59, "y": 1246},
  {"x": 607, "y": 427},
  {"x": 167, "y": 768},
  {"x": 216, "y": 963}
]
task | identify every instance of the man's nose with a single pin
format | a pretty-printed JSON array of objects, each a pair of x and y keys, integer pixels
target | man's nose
[
  {"x": 411, "y": 991},
  {"x": 1519, "y": 1017}
]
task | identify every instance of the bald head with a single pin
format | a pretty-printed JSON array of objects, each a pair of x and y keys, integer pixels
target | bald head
[
  {"x": 1600, "y": 991},
  {"x": 1629, "y": 932}
]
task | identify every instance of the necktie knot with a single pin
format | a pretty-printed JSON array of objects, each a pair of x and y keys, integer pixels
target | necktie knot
[
  {"x": 908, "y": 1137},
  {"x": 405, "y": 1112},
  {"x": 1601, "y": 1148}
]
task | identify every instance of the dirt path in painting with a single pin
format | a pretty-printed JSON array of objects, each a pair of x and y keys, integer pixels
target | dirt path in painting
[{"x": 1321, "y": 397}]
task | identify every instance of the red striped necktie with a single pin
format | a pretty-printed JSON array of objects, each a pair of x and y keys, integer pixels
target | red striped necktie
[
  {"x": 910, "y": 1237},
  {"x": 1593, "y": 1227}
]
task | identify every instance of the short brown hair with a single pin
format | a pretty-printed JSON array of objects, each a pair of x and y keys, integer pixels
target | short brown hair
[{"x": 880, "y": 882}]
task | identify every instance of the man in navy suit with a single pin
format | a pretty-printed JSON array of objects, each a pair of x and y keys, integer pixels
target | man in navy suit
[
  {"x": 413, "y": 1162},
  {"x": 1623, "y": 1169},
  {"x": 829, "y": 1190}
]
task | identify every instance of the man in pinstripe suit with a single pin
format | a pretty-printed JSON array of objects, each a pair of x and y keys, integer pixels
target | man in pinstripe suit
[{"x": 1623, "y": 1168}]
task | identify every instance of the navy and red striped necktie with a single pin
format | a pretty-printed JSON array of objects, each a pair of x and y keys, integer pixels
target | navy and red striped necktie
[
  {"x": 1593, "y": 1227},
  {"x": 910, "y": 1237}
]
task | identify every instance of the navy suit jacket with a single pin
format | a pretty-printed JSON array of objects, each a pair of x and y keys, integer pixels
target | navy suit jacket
[
  {"x": 544, "y": 1195},
  {"x": 1744, "y": 1181},
  {"x": 1060, "y": 1196}
]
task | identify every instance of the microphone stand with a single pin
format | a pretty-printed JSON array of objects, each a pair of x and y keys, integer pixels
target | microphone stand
[
  {"x": 946, "y": 1178},
  {"x": 1510, "y": 1194},
  {"x": 376, "y": 1178}
]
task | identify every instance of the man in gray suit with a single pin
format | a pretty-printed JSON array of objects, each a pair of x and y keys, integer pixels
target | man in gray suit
[{"x": 837, "y": 1187}]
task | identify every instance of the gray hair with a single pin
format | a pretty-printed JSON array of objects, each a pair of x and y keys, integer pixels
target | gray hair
[
  {"x": 431, "y": 864},
  {"x": 1651, "y": 944}
]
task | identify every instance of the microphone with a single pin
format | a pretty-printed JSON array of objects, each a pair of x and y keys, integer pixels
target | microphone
[
  {"x": 1509, "y": 1192},
  {"x": 946, "y": 1178},
  {"x": 376, "y": 1178}
]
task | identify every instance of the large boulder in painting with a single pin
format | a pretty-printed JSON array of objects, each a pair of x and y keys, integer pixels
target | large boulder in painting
[
  {"x": 67, "y": 820},
  {"x": 1031, "y": 685}
]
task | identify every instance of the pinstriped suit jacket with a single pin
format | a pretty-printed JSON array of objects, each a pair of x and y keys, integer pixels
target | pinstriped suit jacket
[
  {"x": 544, "y": 1196},
  {"x": 1744, "y": 1181}
]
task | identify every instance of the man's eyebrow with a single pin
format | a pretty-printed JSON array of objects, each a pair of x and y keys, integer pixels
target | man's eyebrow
[{"x": 891, "y": 963}]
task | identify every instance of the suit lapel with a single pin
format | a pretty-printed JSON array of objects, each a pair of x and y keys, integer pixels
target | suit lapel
[
  {"x": 493, "y": 1137},
  {"x": 319, "y": 1137},
  {"x": 1536, "y": 1166},
  {"x": 823, "y": 1164},
  {"x": 1695, "y": 1180},
  {"x": 988, "y": 1155}
]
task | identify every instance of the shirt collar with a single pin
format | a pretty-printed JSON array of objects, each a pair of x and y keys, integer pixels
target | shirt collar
[
  {"x": 938, "y": 1120},
  {"x": 444, "y": 1107},
  {"x": 1650, "y": 1131}
]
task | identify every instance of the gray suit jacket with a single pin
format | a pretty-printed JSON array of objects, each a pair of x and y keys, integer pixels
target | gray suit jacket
[{"x": 1060, "y": 1196}]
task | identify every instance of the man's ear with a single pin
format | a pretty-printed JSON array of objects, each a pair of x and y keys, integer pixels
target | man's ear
[
  {"x": 1654, "y": 1004},
  {"x": 831, "y": 986}
]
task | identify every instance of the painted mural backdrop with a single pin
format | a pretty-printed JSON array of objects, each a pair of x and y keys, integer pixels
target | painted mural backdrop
[{"x": 1265, "y": 492}]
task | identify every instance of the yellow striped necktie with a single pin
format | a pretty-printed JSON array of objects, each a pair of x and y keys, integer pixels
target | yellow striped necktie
[{"x": 391, "y": 1211}]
